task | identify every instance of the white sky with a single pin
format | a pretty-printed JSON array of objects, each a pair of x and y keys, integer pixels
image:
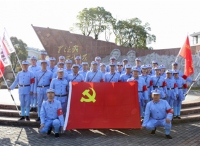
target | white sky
[{"x": 170, "y": 20}]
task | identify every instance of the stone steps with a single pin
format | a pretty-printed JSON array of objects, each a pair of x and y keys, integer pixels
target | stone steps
[
  {"x": 15, "y": 113},
  {"x": 187, "y": 118}
]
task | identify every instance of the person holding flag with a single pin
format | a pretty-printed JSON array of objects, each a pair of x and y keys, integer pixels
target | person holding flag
[{"x": 43, "y": 57}]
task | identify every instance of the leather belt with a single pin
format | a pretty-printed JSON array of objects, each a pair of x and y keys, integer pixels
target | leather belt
[
  {"x": 148, "y": 87},
  {"x": 160, "y": 119},
  {"x": 43, "y": 86},
  {"x": 61, "y": 95},
  {"x": 180, "y": 88},
  {"x": 24, "y": 85},
  {"x": 157, "y": 86},
  {"x": 170, "y": 88},
  {"x": 140, "y": 91}
]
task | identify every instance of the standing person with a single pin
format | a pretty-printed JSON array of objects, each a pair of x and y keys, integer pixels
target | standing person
[
  {"x": 112, "y": 76},
  {"x": 76, "y": 76},
  {"x": 25, "y": 79},
  {"x": 52, "y": 66},
  {"x": 84, "y": 71},
  {"x": 51, "y": 115},
  {"x": 119, "y": 68},
  {"x": 94, "y": 75},
  {"x": 142, "y": 89},
  {"x": 128, "y": 74},
  {"x": 103, "y": 69},
  {"x": 181, "y": 94},
  {"x": 33, "y": 68},
  {"x": 60, "y": 65},
  {"x": 159, "y": 83},
  {"x": 158, "y": 113},
  {"x": 149, "y": 72},
  {"x": 125, "y": 62},
  {"x": 172, "y": 90},
  {"x": 98, "y": 59},
  {"x": 42, "y": 83},
  {"x": 68, "y": 64},
  {"x": 43, "y": 56},
  {"x": 112, "y": 60},
  {"x": 78, "y": 61},
  {"x": 62, "y": 59},
  {"x": 138, "y": 64},
  {"x": 162, "y": 72},
  {"x": 154, "y": 65},
  {"x": 60, "y": 85}
]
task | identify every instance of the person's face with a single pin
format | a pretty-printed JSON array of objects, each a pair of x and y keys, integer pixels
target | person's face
[
  {"x": 25, "y": 66},
  {"x": 85, "y": 66},
  {"x": 61, "y": 65},
  {"x": 112, "y": 68},
  {"x": 162, "y": 70},
  {"x": 50, "y": 96},
  {"x": 61, "y": 60},
  {"x": 75, "y": 69},
  {"x": 52, "y": 62},
  {"x": 125, "y": 62},
  {"x": 102, "y": 68},
  {"x": 144, "y": 70},
  {"x": 175, "y": 67},
  {"x": 149, "y": 69},
  {"x": 155, "y": 65},
  {"x": 128, "y": 70},
  {"x": 119, "y": 67},
  {"x": 44, "y": 65},
  {"x": 33, "y": 62},
  {"x": 43, "y": 56},
  {"x": 69, "y": 65},
  {"x": 60, "y": 74},
  {"x": 135, "y": 73},
  {"x": 98, "y": 60},
  {"x": 169, "y": 75},
  {"x": 78, "y": 61},
  {"x": 157, "y": 72},
  {"x": 138, "y": 63},
  {"x": 94, "y": 67},
  {"x": 115, "y": 54},
  {"x": 112, "y": 60},
  {"x": 175, "y": 75},
  {"x": 156, "y": 97},
  {"x": 131, "y": 56}
]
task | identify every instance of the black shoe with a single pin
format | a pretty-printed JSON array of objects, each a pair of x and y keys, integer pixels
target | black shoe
[
  {"x": 22, "y": 118},
  {"x": 27, "y": 118},
  {"x": 32, "y": 109},
  {"x": 49, "y": 131},
  {"x": 178, "y": 117},
  {"x": 35, "y": 109},
  {"x": 174, "y": 117},
  {"x": 56, "y": 135},
  {"x": 153, "y": 131},
  {"x": 38, "y": 119},
  {"x": 168, "y": 136}
]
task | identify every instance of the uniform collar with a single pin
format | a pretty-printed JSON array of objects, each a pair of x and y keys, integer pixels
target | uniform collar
[
  {"x": 95, "y": 71},
  {"x": 52, "y": 67},
  {"x": 60, "y": 78},
  {"x": 128, "y": 74},
  {"x": 33, "y": 65},
  {"x": 119, "y": 71},
  {"x": 43, "y": 71},
  {"x": 84, "y": 70},
  {"x": 68, "y": 69},
  {"x": 75, "y": 74},
  {"x": 51, "y": 101},
  {"x": 136, "y": 78},
  {"x": 24, "y": 70},
  {"x": 144, "y": 75},
  {"x": 169, "y": 78},
  {"x": 112, "y": 73},
  {"x": 157, "y": 102},
  {"x": 157, "y": 76}
]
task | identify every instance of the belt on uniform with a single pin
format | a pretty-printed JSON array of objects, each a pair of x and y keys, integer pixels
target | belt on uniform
[
  {"x": 43, "y": 86},
  {"x": 61, "y": 95},
  {"x": 148, "y": 87},
  {"x": 140, "y": 91},
  {"x": 170, "y": 88},
  {"x": 180, "y": 88},
  {"x": 157, "y": 86},
  {"x": 160, "y": 119},
  {"x": 24, "y": 85}
]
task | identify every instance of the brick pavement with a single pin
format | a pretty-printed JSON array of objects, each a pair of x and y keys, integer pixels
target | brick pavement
[{"x": 183, "y": 134}]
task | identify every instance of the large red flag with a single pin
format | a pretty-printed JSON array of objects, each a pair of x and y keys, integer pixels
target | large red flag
[
  {"x": 186, "y": 53},
  {"x": 103, "y": 105}
]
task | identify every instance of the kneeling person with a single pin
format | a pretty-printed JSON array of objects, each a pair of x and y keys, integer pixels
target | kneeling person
[{"x": 51, "y": 115}]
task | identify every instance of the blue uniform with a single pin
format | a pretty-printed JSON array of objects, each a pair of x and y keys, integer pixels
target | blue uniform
[
  {"x": 52, "y": 69},
  {"x": 163, "y": 75},
  {"x": 98, "y": 68},
  {"x": 142, "y": 92},
  {"x": 139, "y": 68},
  {"x": 149, "y": 84},
  {"x": 94, "y": 76},
  {"x": 65, "y": 76},
  {"x": 39, "y": 62},
  {"x": 155, "y": 115},
  {"x": 103, "y": 72},
  {"x": 76, "y": 78},
  {"x": 184, "y": 77},
  {"x": 83, "y": 73},
  {"x": 108, "y": 70},
  {"x": 80, "y": 67},
  {"x": 112, "y": 77},
  {"x": 69, "y": 71},
  {"x": 125, "y": 77},
  {"x": 153, "y": 71},
  {"x": 61, "y": 91},
  {"x": 172, "y": 90},
  {"x": 120, "y": 72},
  {"x": 42, "y": 83},
  {"x": 51, "y": 115},
  {"x": 65, "y": 67},
  {"x": 25, "y": 79},
  {"x": 123, "y": 69}
]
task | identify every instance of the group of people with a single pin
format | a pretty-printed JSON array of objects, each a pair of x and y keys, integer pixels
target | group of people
[{"x": 159, "y": 90}]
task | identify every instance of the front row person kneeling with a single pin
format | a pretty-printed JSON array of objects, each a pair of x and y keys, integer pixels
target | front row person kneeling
[
  {"x": 158, "y": 113},
  {"x": 51, "y": 115}
]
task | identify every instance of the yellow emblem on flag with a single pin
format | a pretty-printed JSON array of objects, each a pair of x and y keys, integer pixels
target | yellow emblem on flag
[{"x": 91, "y": 98}]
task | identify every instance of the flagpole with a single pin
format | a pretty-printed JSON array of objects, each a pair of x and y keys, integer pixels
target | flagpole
[
  {"x": 18, "y": 59},
  {"x": 10, "y": 93}
]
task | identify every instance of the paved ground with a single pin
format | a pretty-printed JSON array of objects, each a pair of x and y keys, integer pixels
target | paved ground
[{"x": 183, "y": 134}]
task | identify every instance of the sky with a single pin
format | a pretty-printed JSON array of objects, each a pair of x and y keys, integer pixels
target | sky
[{"x": 170, "y": 20}]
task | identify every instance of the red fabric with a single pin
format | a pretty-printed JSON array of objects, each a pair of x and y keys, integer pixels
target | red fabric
[
  {"x": 82, "y": 81},
  {"x": 175, "y": 85},
  {"x": 50, "y": 80},
  {"x": 185, "y": 52},
  {"x": 185, "y": 86},
  {"x": 151, "y": 83},
  {"x": 102, "y": 80},
  {"x": 119, "y": 81},
  {"x": 184, "y": 77},
  {"x": 108, "y": 109},
  {"x": 144, "y": 88},
  {"x": 1, "y": 68},
  {"x": 32, "y": 80},
  {"x": 60, "y": 112},
  {"x": 169, "y": 111},
  {"x": 164, "y": 84}
]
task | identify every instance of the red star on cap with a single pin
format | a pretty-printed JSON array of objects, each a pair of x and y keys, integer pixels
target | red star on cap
[
  {"x": 128, "y": 65},
  {"x": 25, "y": 61},
  {"x": 52, "y": 57},
  {"x": 68, "y": 60},
  {"x": 156, "y": 90},
  {"x": 136, "y": 67}
]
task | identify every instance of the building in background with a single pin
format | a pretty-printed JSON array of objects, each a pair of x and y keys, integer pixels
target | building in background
[
  {"x": 34, "y": 52},
  {"x": 196, "y": 38}
]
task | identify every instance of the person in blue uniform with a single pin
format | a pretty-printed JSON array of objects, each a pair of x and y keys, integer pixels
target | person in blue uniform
[
  {"x": 181, "y": 94},
  {"x": 142, "y": 89},
  {"x": 76, "y": 76},
  {"x": 60, "y": 85},
  {"x": 162, "y": 72},
  {"x": 154, "y": 65},
  {"x": 172, "y": 90},
  {"x": 158, "y": 114},
  {"x": 51, "y": 115},
  {"x": 78, "y": 61},
  {"x": 33, "y": 68},
  {"x": 94, "y": 75},
  {"x": 60, "y": 65},
  {"x": 43, "y": 57},
  {"x": 52, "y": 66},
  {"x": 85, "y": 69},
  {"x": 119, "y": 68},
  {"x": 159, "y": 83},
  {"x": 138, "y": 64},
  {"x": 62, "y": 59},
  {"x": 125, "y": 62},
  {"x": 112, "y": 76},
  {"x": 25, "y": 80},
  {"x": 98, "y": 59},
  {"x": 128, "y": 74},
  {"x": 42, "y": 82},
  {"x": 103, "y": 69},
  {"x": 112, "y": 60},
  {"x": 68, "y": 64},
  {"x": 149, "y": 72}
]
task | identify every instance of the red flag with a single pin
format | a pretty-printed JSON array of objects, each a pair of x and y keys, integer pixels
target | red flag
[
  {"x": 103, "y": 105},
  {"x": 186, "y": 53},
  {"x": 1, "y": 68}
]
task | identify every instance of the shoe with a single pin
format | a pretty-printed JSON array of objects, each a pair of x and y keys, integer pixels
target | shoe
[
  {"x": 32, "y": 109},
  {"x": 27, "y": 118},
  {"x": 56, "y": 135},
  {"x": 153, "y": 131},
  {"x": 178, "y": 117},
  {"x": 35, "y": 109},
  {"x": 22, "y": 119},
  {"x": 168, "y": 136},
  {"x": 38, "y": 119},
  {"x": 174, "y": 117},
  {"x": 49, "y": 131}
]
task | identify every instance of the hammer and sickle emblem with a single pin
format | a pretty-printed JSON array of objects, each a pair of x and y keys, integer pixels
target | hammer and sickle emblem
[{"x": 91, "y": 98}]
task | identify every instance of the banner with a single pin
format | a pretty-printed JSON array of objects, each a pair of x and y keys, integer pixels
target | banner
[
  {"x": 102, "y": 105},
  {"x": 4, "y": 57}
]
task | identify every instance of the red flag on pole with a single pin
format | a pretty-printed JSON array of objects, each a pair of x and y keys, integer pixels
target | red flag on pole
[
  {"x": 103, "y": 105},
  {"x": 186, "y": 53}
]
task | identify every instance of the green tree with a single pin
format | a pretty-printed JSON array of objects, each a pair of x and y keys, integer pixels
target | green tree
[{"x": 21, "y": 50}]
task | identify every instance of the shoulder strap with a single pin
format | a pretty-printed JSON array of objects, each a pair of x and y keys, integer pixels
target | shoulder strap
[
  {"x": 93, "y": 76},
  {"x": 146, "y": 78},
  {"x": 75, "y": 77},
  {"x": 52, "y": 69},
  {"x": 41, "y": 77},
  {"x": 112, "y": 77},
  {"x": 157, "y": 81}
]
